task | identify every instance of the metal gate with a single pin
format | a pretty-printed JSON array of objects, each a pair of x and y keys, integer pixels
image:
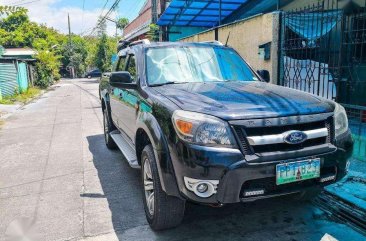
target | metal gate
[
  {"x": 8, "y": 79},
  {"x": 22, "y": 77},
  {"x": 323, "y": 51}
]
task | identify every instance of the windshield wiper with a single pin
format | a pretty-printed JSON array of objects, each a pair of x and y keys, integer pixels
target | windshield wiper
[{"x": 167, "y": 83}]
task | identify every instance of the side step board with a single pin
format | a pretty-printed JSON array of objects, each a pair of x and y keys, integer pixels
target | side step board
[{"x": 126, "y": 147}]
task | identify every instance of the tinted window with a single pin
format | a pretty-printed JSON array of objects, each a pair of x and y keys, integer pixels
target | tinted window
[
  {"x": 121, "y": 64},
  {"x": 131, "y": 66}
]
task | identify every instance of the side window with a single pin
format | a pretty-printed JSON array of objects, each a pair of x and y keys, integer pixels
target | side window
[
  {"x": 131, "y": 66},
  {"x": 121, "y": 64}
]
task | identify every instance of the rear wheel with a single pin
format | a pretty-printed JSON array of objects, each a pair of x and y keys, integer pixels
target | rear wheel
[
  {"x": 162, "y": 211},
  {"x": 108, "y": 128}
]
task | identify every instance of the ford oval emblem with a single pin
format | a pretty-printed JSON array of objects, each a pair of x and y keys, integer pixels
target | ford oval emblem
[{"x": 294, "y": 137}]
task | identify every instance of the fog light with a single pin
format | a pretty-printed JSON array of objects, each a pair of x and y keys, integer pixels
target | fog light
[
  {"x": 254, "y": 193},
  {"x": 202, "y": 187},
  {"x": 328, "y": 178}
]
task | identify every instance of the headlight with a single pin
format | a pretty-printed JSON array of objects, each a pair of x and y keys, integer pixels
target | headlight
[
  {"x": 340, "y": 120},
  {"x": 202, "y": 129}
]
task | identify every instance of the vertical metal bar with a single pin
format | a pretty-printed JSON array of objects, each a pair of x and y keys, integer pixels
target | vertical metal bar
[
  {"x": 220, "y": 12},
  {"x": 340, "y": 59},
  {"x": 319, "y": 55},
  {"x": 280, "y": 46}
]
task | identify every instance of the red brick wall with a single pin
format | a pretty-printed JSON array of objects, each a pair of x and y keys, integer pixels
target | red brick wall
[{"x": 144, "y": 16}]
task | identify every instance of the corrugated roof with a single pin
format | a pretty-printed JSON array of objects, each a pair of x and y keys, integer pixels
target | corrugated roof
[
  {"x": 202, "y": 13},
  {"x": 19, "y": 52}
]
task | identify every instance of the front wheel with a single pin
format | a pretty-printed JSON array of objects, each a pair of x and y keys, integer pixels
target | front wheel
[{"x": 162, "y": 211}]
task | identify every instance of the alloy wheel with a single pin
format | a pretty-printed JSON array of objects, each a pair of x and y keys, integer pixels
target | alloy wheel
[
  {"x": 149, "y": 187},
  {"x": 105, "y": 120}
]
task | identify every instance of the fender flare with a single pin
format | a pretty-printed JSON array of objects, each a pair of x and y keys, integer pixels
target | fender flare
[{"x": 151, "y": 127}]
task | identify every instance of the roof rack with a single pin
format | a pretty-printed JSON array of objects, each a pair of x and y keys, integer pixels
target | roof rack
[
  {"x": 122, "y": 44},
  {"x": 212, "y": 42},
  {"x": 141, "y": 41}
]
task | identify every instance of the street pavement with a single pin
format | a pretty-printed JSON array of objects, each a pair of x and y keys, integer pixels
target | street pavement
[{"x": 58, "y": 181}]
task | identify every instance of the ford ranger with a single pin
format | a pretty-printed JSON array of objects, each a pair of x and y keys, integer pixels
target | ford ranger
[{"x": 204, "y": 127}]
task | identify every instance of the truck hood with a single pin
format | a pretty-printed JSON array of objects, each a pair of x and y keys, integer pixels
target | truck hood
[{"x": 244, "y": 100}]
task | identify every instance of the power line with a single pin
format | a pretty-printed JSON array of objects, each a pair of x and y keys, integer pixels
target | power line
[
  {"x": 102, "y": 20},
  {"x": 20, "y": 4}
]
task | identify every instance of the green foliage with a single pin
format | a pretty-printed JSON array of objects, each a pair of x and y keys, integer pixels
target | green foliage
[
  {"x": 7, "y": 10},
  {"x": 101, "y": 55},
  {"x": 16, "y": 30},
  {"x": 23, "y": 97},
  {"x": 55, "y": 50},
  {"x": 122, "y": 23},
  {"x": 153, "y": 33},
  {"x": 74, "y": 54},
  {"x": 47, "y": 68}
]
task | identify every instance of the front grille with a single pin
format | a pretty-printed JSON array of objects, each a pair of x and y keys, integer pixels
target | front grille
[
  {"x": 242, "y": 132},
  {"x": 288, "y": 147}
]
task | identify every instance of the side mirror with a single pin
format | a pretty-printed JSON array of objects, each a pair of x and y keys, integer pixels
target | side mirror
[
  {"x": 264, "y": 74},
  {"x": 122, "y": 79}
]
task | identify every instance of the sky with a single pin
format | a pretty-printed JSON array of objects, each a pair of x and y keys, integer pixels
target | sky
[{"x": 83, "y": 13}]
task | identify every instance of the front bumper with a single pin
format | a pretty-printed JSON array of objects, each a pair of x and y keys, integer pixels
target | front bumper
[{"x": 236, "y": 174}]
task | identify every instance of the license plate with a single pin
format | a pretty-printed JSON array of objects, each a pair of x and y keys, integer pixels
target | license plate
[{"x": 297, "y": 171}]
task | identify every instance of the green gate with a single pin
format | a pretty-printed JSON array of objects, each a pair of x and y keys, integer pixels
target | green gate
[
  {"x": 22, "y": 77},
  {"x": 8, "y": 79}
]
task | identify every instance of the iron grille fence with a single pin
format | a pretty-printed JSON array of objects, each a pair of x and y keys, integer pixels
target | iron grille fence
[{"x": 323, "y": 51}]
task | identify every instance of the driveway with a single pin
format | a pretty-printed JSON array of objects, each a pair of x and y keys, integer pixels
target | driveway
[{"x": 58, "y": 181}]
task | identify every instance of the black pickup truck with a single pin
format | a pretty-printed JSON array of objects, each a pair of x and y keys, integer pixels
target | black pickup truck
[{"x": 205, "y": 127}]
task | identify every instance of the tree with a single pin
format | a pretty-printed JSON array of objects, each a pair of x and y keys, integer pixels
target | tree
[
  {"x": 153, "y": 33},
  {"x": 122, "y": 23},
  {"x": 101, "y": 55},
  {"x": 16, "y": 30},
  {"x": 74, "y": 54},
  {"x": 7, "y": 10}
]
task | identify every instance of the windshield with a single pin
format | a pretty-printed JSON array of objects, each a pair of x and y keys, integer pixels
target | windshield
[{"x": 195, "y": 64}]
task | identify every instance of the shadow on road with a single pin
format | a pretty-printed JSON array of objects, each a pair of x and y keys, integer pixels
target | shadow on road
[{"x": 274, "y": 219}]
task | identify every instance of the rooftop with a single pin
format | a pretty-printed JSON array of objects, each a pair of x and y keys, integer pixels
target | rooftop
[{"x": 10, "y": 52}]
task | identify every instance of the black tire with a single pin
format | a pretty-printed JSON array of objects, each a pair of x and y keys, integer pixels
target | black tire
[
  {"x": 308, "y": 195},
  {"x": 89, "y": 77},
  {"x": 168, "y": 211},
  {"x": 108, "y": 128}
]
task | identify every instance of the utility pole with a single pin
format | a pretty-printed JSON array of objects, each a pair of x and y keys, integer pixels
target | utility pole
[
  {"x": 72, "y": 72},
  {"x": 154, "y": 17},
  {"x": 68, "y": 21}
]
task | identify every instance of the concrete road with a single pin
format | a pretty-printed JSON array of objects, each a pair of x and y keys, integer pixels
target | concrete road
[{"x": 58, "y": 181}]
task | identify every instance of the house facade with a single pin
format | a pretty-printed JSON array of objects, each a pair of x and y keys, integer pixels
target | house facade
[{"x": 140, "y": 26}]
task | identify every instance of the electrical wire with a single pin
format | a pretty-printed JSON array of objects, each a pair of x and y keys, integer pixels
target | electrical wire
[
  {"x": 115, "y": 4},
  {"x": 21, "y": 4}
]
